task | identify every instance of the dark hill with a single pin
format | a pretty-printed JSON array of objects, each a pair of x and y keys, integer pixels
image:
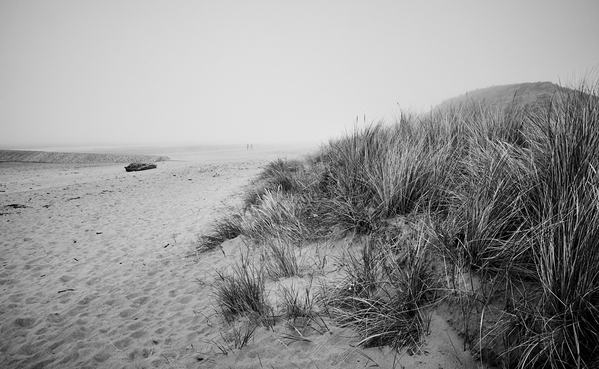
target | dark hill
[{"x": 525, "y": 94}]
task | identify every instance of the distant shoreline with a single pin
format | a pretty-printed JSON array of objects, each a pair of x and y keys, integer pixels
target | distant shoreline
[{"x": 29, "y": 156}]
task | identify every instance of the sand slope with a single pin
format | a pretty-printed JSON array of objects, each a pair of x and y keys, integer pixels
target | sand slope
[{"x": 95, "y": 273}]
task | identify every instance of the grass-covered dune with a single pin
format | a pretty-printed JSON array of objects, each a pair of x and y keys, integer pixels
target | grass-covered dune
[
  {"x": 487, "y": 214},
  {"x": 73, "y": 158}
]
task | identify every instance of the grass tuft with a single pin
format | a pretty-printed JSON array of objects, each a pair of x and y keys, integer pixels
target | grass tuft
[
  {"x": 242, "y": 292},
  {"x": 385, "y": 294},
  {"x": 279, "y": 259},
  {"x": 225, "y": 228}
]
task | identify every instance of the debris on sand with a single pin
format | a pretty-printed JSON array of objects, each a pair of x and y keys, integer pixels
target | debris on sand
[{"x": 135, "y": 167}]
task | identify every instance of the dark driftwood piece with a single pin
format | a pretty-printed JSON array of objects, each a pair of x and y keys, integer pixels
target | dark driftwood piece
[{"x": 134, "y": 167}]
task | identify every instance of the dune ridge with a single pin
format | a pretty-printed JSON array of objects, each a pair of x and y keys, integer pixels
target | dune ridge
[{"x": 74, "y": 158}]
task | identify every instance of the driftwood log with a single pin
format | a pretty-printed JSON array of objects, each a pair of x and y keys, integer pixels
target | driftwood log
[{"x": 135, "y": 167}]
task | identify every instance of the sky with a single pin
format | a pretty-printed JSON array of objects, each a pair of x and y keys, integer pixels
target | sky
[{"x": 85, "y": 73}]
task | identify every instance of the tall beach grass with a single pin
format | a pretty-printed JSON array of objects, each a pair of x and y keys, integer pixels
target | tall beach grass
[{"x": 507, "y": 195}]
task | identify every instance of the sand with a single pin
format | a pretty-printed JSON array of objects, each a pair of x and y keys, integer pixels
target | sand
[{"x": 97, "y": 273}]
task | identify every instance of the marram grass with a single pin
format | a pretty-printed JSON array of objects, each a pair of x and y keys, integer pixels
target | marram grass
[{"x": 510, "y": 195}]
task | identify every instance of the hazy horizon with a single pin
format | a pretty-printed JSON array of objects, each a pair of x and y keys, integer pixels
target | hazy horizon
[
  {"x": 176, "y": 73},
  {"x": 158, "y": 147}
]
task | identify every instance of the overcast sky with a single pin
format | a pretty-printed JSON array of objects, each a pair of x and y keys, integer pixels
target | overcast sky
[{"x": 219, "y": 72}]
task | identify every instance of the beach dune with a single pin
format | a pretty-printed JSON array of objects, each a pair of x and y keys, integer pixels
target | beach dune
[{"x": 98, "y": 271}]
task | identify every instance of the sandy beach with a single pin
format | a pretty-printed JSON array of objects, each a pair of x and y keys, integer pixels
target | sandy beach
[{"x": 97, "y": 273}]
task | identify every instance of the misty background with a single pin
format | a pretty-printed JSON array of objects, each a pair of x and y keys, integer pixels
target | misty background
[{"x": 110, "y": 73}]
